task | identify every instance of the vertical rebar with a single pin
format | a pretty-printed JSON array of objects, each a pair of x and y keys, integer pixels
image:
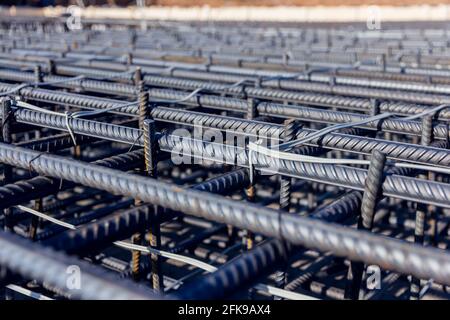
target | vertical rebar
[
  {"x": 375, "y": 107},
  {"x": 129, "y": 59},
  {"x": 137, "y": 238},
  {"x": 137, "y": 78},
  {"x": 136, "y": 257},
  {"x": 372, "y": 194},
  {"x": 34, "y": 224},
  {"x": 7, "y": 120},
  {"x": 150, "y": 148},
  {"x": 51, "y": 66},
  {"x": 38, "y": 76},
  {"x": 143, "y": 103},
  {"x": 251, "y": 108},
  {"x": 250, "y": 190},
  {"x": 421, "y": 212},
  {"x": 291, "y": 127}
]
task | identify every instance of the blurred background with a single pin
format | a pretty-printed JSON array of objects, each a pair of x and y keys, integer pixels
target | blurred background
[
  {"x": 214, "y": 3},
  {"x": 304, "y": 11}
]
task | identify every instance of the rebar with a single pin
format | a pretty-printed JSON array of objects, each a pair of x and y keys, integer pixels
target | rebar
[{"x": 169, "y": 142}]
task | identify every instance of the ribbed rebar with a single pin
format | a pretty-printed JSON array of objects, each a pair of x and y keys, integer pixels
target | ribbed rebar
[
  {"x": 45, "y": 265},
  {"x": 202, "y": 109},
  {"x": 342, "y": 241},
  {"x": 371, "y": 196}
]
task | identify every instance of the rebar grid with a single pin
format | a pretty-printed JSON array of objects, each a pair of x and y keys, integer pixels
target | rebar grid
[{"x": 137, "y": 150}]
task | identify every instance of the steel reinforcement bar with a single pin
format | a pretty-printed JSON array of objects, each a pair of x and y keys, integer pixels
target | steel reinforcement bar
[
  {"x": 404, "y": 188},
  {"x": 395, "y": 150},
  {"x": 332, "y": 99},
  {"x": 34, "y": 261},
  {"x": 386, "y": 252}
]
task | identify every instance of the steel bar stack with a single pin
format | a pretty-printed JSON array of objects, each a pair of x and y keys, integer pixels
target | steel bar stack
[{"x": 214, "y": 160}]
